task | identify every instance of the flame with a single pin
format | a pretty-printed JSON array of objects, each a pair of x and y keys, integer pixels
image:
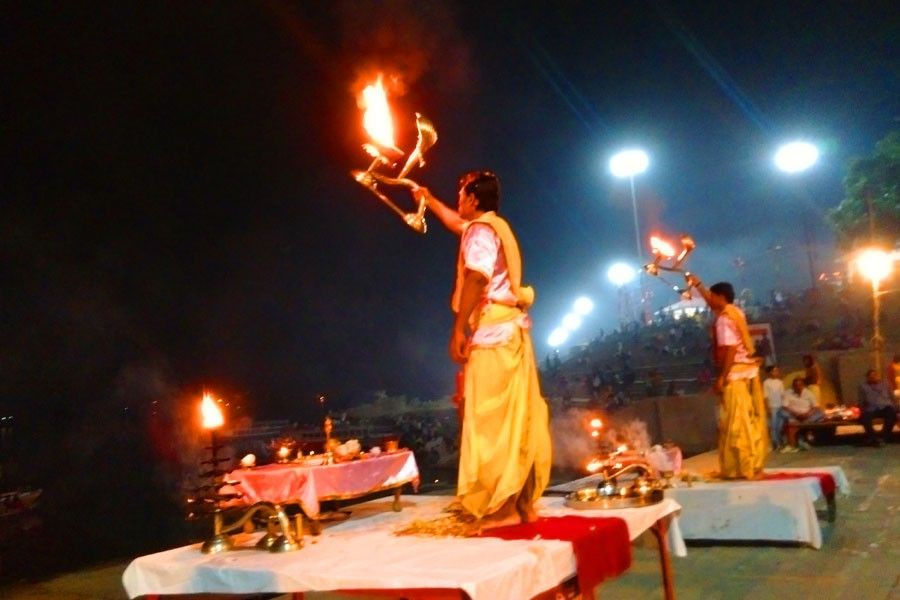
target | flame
[
  {"x": 622, "y": 448},
  {"x": 661, "y": 246},
  {"x": 596, "y": 423},
  {"x": 212, "y": 416},
  {"x": 595, "y": 433},
  {"x": 377, "y": 116},
  {"x": 594, "y": 465}
]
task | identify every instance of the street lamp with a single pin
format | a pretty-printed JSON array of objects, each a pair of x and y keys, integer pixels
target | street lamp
[
  {"x": 796, "y": 157},
  {"x": 558, "y": 337},
  {"x": 583, "y": 306},
  {"x": 629, "y": 163},
  {"x": 875, "y": 265}
]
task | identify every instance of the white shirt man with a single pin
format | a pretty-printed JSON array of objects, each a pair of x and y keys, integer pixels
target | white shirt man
[{"x": 773, "y": 389}]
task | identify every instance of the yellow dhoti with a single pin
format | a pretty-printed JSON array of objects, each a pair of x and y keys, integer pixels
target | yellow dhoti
[
  {"x": 743, "y": 438},
  {"x": 505, "y": 448}
]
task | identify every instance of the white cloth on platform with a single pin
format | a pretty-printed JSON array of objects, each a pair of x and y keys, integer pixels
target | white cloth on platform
[{"x": 363, "y": 553}]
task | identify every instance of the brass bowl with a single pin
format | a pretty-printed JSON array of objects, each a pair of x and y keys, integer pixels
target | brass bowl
[{"x": 590, "y": 499}]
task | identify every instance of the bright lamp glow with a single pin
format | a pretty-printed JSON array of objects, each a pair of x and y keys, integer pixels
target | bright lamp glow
[
  {"x": 571, "y": 321},
  {"x": 874, "y": 264},
  {"x": 796, "y": 157},
  {"x": 558, "y": 337},
  {"x": 584, "y": 306},
  {"x": 629, "y": 163},
  {"x": 620, "y": 274}
]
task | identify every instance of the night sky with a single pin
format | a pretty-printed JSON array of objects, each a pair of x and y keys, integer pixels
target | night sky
[{"x": 177, "y": 210}]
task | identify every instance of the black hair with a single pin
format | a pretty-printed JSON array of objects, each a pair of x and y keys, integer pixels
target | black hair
[
  {"x": 486, "y": 187},
  {"x": 724, "y": 289}
]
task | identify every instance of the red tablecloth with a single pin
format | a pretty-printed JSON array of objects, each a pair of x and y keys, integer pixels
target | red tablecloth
[
  {"x": 825, "y": 479},
  {"x": 601, "y": 545}
]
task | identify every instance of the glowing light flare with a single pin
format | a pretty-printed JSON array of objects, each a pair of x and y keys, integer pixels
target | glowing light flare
[
  {"x": 595, "y": 433},
  {"x": 377, "y": 115},
  {"x": 874, "y": 264},
  {"x": 594, "y": 465},
  {"x": 571, "y": 322},
  {"x": 629, "y": 163},
  {"x": 620, "y": 274},
  {"x": 622, "y": 448},
  {"x": 583, "y": 306},
  {"x": 660, "y": 246},
  {"x": 596, "y": 423},
  {"x": 796, "y": 157},
  {"x": 558, "y": 337},
  {"x": 212, "y": 415}
]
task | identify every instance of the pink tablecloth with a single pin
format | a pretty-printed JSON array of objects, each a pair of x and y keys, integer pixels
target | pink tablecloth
[{"x": 307, "y": 486}]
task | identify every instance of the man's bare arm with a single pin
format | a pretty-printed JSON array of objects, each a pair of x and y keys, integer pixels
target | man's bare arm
[{"x": 446, "y": 215}]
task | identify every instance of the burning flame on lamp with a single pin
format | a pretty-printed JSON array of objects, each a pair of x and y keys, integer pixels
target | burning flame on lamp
[
  {"x": 594, "y": 465},
  {"x": 377, "y": 116},
  {"x": 661, "y": 247},
  {"x": 212, "y": 416},
  {"x": 596, "y": 423}
]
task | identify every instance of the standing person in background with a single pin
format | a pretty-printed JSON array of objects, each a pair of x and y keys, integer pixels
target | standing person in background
[
  {"x": 504, "y": 463},
  {"x": 813, "y": 376},
  {"x": 773, "y": 390},
  {"x": 743, "y": 427},
  {"x": 894, "y": 379}
]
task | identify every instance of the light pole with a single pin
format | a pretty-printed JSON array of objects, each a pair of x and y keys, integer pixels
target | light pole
[
  {"x": 629, "y": 163},
  {"x": 794, "y": 158},
  {"x": 875, "y": 266}
]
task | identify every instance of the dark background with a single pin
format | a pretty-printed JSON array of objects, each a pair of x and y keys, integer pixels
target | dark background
[{"x": 178, "y": 214}]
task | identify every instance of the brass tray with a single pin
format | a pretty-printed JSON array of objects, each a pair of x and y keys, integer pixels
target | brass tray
[{"x": 591, "y": 499}]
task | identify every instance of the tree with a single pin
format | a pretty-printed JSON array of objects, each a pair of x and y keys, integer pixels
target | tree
[{"x": 870, "y": 210}]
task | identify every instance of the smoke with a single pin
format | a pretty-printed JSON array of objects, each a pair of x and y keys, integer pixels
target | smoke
[
  {"x": 573, "y": 444},
  {"x": 403, "y": 39}
]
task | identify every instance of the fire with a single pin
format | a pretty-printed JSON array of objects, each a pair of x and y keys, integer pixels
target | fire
[
  {"x": 596, "y": 423},
  {"x": 212, "y": 416},
  {"x": 622, "y": 448},
  {"x": 662, "y": 247},
  {"x": 377, "y": 116},
  {"x": 594, "y": 465}
]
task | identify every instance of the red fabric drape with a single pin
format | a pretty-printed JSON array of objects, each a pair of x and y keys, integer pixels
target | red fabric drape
[
  {"x": 601, "y": 545},
  {"x": 825, "y": 480}
]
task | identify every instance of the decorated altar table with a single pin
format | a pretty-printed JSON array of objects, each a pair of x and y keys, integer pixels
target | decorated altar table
[
  {"x": 293, "y": 482},
  {"x": 363, "y": 553}
]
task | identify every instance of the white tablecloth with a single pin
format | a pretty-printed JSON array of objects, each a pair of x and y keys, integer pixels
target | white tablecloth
[
  {"x": 363, "y": 553},
  {"x": 776, "y": 510}
]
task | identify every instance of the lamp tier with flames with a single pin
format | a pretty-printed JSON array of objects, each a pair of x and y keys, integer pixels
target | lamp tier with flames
[
  {"x": 382, "y": 147},
  {"x": 281, "y": 535},
  {"x": 666, "y": 258}
]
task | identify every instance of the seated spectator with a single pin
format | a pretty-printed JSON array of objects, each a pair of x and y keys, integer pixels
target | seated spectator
[
  {"x": 799, "y": 405},
  {"x": 875, "y": 401}
]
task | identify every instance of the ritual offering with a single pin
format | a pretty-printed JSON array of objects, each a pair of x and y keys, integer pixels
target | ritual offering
[
  {"x": 624, "y": 487},
  {"x": 666, "y": 258},
  {"x": 382, "y": 148}
]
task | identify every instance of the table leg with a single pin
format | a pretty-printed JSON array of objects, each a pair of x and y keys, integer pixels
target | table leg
[
  {"x": 660, "y": 529},
  {"x": 396, "y": 506},
  {"x": 832, "y": 508}
]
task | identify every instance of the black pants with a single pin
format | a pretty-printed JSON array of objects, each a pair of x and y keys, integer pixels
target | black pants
[{"x": 888, "y": 413}]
